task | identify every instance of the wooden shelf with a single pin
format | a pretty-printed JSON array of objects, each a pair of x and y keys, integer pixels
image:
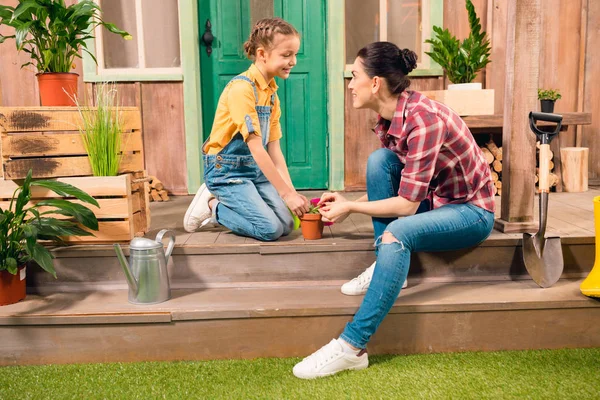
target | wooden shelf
[{"x": 496, "y": 120}]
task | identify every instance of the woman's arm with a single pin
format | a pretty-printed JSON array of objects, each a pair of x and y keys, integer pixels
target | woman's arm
[{"x": 388, "y": 208}]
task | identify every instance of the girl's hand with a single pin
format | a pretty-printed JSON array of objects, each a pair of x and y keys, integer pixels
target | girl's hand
[
  {"x": 335, "y": 211},
  {"x": 331, "y": 197},
  {"x": 297, "y": 203}
]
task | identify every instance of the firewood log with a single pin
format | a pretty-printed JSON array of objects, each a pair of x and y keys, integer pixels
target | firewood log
[
  {"x": 497, "y": 165},
  {"x": 498, "y": 184},
  {"x": 154, "y": 194},
  {"x": 489, "y": 157},
  {"x": 495, "y": 176},
  {"x": 496, "y": 152},
  {"x": 163, "y": 195}
]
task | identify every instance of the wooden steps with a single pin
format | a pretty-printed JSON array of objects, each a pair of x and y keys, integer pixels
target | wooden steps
[
  {"x": 236, "y": 297},
  {"x": 101, "y": 326}
]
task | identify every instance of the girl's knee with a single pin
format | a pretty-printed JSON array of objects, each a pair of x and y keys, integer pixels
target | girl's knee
[{"x": 270, "y": 231}]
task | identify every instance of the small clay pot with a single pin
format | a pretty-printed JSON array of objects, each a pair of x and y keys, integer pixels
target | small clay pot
[
  {"x": 547, "y": 106},
  {"x": 312, "y": 226},
  {"x": 12, "y": 287}
]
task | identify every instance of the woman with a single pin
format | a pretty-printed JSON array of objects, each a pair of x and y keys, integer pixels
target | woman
[{"x": 430, "y": 171}]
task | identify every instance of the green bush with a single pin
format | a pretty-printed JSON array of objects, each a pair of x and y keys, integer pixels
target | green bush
[
  {"x": 461, "y": 61},
  {"x": 549, "y": 94}
]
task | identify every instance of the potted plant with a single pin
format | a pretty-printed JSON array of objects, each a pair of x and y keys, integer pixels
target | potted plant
[
  {"x": 547, "y": 99},
  {"x": 101, "y": 130},
  {"x": 311, "y": 223},
  {"x": 461, "y": 61},
  {"x": 53, "y": 35},
  {"x": 23, "y": 224}
]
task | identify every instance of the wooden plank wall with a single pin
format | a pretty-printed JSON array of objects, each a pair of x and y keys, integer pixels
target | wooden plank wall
[
  {"x": 562, "y": 66},
  {"x": 161, "y": 103}
]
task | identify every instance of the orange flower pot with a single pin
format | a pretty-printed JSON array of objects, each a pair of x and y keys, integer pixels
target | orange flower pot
[
  {"x": 12, "y": 287},
  {"x": 312, "y": 226},
  {"x": 56, "y": 87}
]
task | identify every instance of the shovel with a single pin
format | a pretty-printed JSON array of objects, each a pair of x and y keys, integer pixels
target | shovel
[{"x": 543, "y": 256}]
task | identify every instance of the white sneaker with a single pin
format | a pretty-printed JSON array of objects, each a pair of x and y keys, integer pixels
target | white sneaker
[
  {"x": 329, "y": 360},
  {"x": 198, "y": 213},
  {"x": 360, "y": 284}
]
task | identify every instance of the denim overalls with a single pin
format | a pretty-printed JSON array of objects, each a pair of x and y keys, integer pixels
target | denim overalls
[{"x": 248, "y": 204}]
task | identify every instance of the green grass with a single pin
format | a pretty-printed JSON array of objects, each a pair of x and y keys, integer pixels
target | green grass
[{"x": 547, "y": 374}]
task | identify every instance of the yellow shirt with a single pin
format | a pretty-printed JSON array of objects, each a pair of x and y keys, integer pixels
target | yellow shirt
[{"x": 236, "y": 102}]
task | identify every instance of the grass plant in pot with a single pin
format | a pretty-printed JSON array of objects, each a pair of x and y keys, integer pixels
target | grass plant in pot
[
  {"x": 547, "y": 99},
  {"x": 23, "y": 224},
  {"x": 53, "y": 35},
  {"x": 461, "y": 61},
  {"x": 312, "y": 224},
  {"x": 101, "y": 130}
]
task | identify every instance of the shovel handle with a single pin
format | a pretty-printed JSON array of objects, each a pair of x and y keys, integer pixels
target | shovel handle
[{"x": 544, "y": 170}]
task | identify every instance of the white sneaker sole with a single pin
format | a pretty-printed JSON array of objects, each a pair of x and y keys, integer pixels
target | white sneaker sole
[
  {"x": 351, "y": 292},
  {"x": 326, "y": 374},
  {"x": 187, "y": 219}
]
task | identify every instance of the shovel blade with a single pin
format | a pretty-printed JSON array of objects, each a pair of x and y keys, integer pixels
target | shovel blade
[{"x": 544, "y": 264}]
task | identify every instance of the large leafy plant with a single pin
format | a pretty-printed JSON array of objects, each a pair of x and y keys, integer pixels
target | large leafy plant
[
  {"x": 22, "y": 224},
  {"x": 52, "y": 33},
  {"x": 461, "y": 61}
]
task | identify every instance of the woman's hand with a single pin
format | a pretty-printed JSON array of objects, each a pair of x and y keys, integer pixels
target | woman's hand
[
  {"x": 334, "y": 207},
  {"x": 331, "y": 197}
]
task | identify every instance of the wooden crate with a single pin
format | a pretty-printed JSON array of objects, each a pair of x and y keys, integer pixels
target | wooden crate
[
  {"x": 47, "y": 141},
  {"x": 465, "y": 102},
  {"x": 124, "y": 208}
]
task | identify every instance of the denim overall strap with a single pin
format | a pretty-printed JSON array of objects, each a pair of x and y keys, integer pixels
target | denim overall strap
[{"x": 264, "y": 112}]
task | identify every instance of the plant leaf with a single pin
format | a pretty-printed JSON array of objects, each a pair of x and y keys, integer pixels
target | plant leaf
[
  {"x": 66, "y": 190},
  {"x": 41, "y": 256}
]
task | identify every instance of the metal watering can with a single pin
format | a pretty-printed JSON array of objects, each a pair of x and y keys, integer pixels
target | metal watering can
[{"x": 147, "y": 275}]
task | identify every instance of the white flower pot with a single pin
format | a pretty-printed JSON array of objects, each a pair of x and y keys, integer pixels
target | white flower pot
[{"x": 465, "y": 86}]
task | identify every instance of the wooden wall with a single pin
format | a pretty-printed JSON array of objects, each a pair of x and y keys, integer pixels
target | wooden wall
[
  {"x": 161, "y": 104},
  {"x": 569, "y": 28}
]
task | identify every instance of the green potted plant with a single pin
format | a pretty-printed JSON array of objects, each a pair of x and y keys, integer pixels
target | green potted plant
[
  {"x": 461, "y": 61},
  {"x": 311, "y": 223},
  {"x": 23, "y": 224},
  {"x": 101, "y": 130},
  {"x": 547, "y": 99},
  {"x": 53, "y": 35}
]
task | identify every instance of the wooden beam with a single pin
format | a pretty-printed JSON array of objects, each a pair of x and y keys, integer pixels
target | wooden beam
[{"x": 520, "y": 97}]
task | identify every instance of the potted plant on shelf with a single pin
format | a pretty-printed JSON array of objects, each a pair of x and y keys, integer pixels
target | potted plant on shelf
[
  {"x": 53, "y": 35},
  {"x": 311, "y": 223},
  {"x": 547, "y": 99},
  {"x": 461, "y": 61},
  {"x": 23, "y": 224}
]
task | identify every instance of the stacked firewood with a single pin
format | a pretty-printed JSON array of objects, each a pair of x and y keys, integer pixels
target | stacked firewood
[
  {"x": 493, "y": 156},
  {"x": 552, "y": 178},
  {"x": 157, "y": 190}
]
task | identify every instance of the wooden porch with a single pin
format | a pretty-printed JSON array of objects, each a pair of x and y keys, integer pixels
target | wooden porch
[{"x": 235, "y": 297}]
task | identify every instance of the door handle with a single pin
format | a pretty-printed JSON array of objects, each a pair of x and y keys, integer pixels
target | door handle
[{"x": 207, "y": 37}]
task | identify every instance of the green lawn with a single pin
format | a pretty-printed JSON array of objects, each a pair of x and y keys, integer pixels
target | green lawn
[{"x": 555, "y": 374}]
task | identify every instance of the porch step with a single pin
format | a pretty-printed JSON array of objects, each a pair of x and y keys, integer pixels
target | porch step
[
  {"x": 101, "y": 326},
  {"x": 81, "y": 268}
]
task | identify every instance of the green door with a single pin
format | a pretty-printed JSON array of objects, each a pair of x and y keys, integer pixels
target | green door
[{"x": 303, "y": 95}]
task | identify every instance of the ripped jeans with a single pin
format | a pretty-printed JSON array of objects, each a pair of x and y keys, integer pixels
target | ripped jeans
[{"x": 451, "y": 227}]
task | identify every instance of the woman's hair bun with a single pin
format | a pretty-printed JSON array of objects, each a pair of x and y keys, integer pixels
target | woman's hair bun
[{"x": 408, "y": 60}]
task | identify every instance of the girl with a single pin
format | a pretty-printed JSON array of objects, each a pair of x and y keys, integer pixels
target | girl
[
  {"x": 248, "y": 187},
  {"x": 429, "y": 161}
]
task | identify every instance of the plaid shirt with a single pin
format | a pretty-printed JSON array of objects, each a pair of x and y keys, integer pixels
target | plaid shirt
[{"x": 441, "y": 160}]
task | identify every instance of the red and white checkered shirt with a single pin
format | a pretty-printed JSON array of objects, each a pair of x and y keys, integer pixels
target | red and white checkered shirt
[{"x": 442, "y": 161}]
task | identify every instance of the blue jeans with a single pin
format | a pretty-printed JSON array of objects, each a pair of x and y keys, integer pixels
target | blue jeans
[
  {"x": 247, "y": 203},
  {"x": 451, "y": 227}
]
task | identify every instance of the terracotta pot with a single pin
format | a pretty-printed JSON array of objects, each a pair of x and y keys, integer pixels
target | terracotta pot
[
  {"x": 12, "y": 287},
  {"x": 312, "y": 226},
  {"x": 55, "y": 88}
]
